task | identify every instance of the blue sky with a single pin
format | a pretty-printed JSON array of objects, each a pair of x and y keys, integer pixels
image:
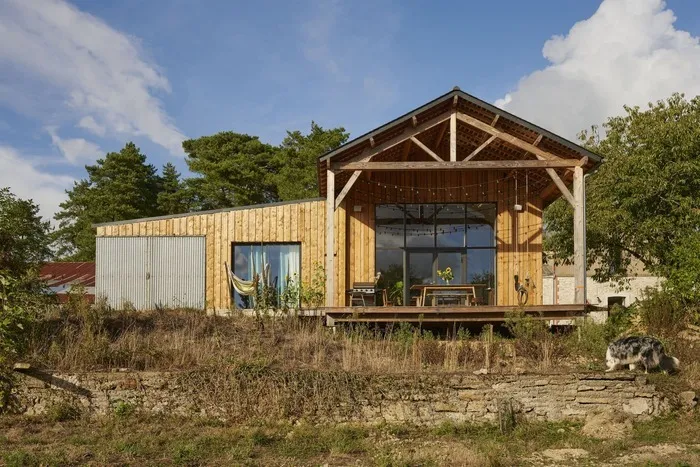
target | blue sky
[{"x": 80, "y": 78}]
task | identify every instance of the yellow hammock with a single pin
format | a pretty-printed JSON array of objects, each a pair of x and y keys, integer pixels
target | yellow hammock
[{"x": 241, "y": 286}]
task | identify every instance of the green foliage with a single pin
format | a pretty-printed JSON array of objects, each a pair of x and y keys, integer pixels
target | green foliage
[
  {"x": 24, "y": 236},
  {"x": 313, "y": 294},
  {"x": 395, "y": 293},
  {"x": 662, "y": 313},
  {"x": 64, "y": 411},
  {"x": 173, "y": 196},
  {"x": 644, "y": 201},
  {"x": 234, "y": 169},
  {"x": 291, "y": 294},
  {"x": 124, "y": 409},
  {"x": 120, "y": 186},
  {"x": 20, "y": 299},
  {"x": 296, "y": 160}
]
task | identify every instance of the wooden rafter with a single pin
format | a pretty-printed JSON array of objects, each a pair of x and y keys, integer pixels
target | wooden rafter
[
  {"x": 514, "y": 140},
  {"x": 406, "y": 135},
  {"x": 406, "y": 150},
  {"x": 441, "y": 134},
  {"x": 353, "y": 178},
  {"x": 426, "y": 149},
  {"x": 480, "y": 148},
  {"x": 346, "y": 189},
  {"x": 562, "y": 187},
  {"x": 455, "y": 165}
]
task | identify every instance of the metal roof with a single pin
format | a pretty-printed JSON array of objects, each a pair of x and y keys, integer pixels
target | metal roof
[
  {"x": 68, "y": 273},
  {"x": 211, "y": 211}
]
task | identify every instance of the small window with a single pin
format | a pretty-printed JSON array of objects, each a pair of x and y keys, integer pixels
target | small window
[{"x": 612, "y": 301}]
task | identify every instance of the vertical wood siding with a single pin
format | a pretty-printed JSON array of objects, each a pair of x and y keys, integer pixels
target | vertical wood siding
[
  {"x": 295, "y": 223},
  {"x": 518, "y": 234}
]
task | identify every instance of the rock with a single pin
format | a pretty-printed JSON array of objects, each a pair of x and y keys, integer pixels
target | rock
[
  {"x": 607, "y": 425},
  {"x": 688, "y": 399},
  {"x": 637, "y": 406},
  {"x": 483, "y": 371}
]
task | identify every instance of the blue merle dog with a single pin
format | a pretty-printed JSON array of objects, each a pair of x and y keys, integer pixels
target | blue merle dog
[{"x": 643, "y": 350}]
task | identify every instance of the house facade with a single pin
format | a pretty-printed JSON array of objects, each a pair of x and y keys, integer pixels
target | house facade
[{"x": 456, "y": 183}]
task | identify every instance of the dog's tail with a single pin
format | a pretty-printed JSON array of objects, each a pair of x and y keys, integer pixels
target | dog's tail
[{"x": 669, "y": 363}]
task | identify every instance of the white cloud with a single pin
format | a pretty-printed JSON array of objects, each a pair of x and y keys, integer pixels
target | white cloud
[
  {"x": 91, "y": 125},
  {"x": 28, "y": 182},
  {"x": 317, "y": 33},
  {"x": 627, "y": 53},
  {"x": 101, "y": 74},
  {"x": 75, "y": 149}
]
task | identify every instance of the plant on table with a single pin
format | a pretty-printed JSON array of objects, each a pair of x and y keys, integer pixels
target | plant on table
[{"x": 446, "y": 274}]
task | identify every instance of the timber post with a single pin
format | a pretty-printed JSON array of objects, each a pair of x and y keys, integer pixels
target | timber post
[
  {"x": 579, "y": 238},
  {"x": 330, "y": 238}
]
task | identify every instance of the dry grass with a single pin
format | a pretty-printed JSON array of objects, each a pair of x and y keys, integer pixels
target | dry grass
[
  {"x": 171, "y": 340},
  {"x": 139, "y": 440}
]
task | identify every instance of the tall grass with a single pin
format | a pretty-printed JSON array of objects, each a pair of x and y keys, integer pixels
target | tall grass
[{"x": 78, "y": 337}]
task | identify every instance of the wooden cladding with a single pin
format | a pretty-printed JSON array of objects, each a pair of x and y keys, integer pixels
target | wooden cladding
[
  {"x": 302, "y": 222},
  {"x": 518, "y": 233}
]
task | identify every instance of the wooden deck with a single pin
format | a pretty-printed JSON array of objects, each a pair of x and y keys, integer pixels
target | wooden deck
[{"x": 446, "y": 314}]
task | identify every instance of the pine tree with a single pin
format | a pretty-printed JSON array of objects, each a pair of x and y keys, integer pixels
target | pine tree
[
  {"x": 119, "y": 187},
  {"x": 173, "y": 195},
  {"x": 234, "y": 169}
]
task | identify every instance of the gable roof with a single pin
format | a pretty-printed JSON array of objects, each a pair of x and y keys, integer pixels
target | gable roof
[{"x": 474, "y": 107}]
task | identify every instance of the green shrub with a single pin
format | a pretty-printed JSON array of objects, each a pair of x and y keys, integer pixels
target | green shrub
[
  {"x": 64, "y": 411},
  {"x": 124, "y": 409},
  {"x": 662, "y": 313}
]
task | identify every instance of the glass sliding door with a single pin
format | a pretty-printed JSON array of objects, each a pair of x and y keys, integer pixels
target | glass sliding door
[{"x": 420, "y": 239}]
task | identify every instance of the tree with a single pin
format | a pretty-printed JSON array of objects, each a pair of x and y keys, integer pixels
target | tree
[
  {"x": 173, "y": 197},
  {"x": 644, "y": 201},
  {"x": 24, "y": 235},
  {"x": 119, "y": 187},
  {"x": 234, "y": 168},
  {"x": 297, "y": 176}
]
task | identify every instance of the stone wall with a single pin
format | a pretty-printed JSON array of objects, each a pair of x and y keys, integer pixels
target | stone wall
[{"x": 338, "y": 397}]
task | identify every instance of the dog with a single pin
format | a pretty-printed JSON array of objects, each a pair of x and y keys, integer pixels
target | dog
[{"x": 643, "y": 350}]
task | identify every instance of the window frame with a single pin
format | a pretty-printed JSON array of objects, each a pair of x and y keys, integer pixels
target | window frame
[
  {"x": 440, "y": 249},
  {"x": 262, "y": 244}
]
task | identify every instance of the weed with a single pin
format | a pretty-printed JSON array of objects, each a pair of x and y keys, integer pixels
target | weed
[
  {"x": 124, "y": 409},
  {"x": 64, "y": 411},
  {"x": 19, "y": 459}
]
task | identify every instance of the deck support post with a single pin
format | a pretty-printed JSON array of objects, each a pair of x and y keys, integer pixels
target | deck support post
[
  {"x": 579, "y": 237},
  {"x": 330, "y": 237}
]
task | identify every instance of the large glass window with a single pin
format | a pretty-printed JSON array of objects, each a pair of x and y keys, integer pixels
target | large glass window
[
  {"x": 414, "y": 241},
  {"x": 249, "y": 260},
  {"x": 420, "y": 225}
]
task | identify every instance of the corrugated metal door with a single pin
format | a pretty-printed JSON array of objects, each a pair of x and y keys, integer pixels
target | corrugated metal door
[
  {"x": 177, "y": 272},
  {"x": 150, "y": 272}
]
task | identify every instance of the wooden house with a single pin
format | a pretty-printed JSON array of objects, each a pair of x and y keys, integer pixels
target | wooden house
[{"x": 455, "y": 183}]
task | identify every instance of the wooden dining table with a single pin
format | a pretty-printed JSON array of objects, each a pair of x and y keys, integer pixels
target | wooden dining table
[{"x": 445, "y": 291}]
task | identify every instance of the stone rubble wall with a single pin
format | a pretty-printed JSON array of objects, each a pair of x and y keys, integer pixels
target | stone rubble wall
[{"x": 417, "y": 399}]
